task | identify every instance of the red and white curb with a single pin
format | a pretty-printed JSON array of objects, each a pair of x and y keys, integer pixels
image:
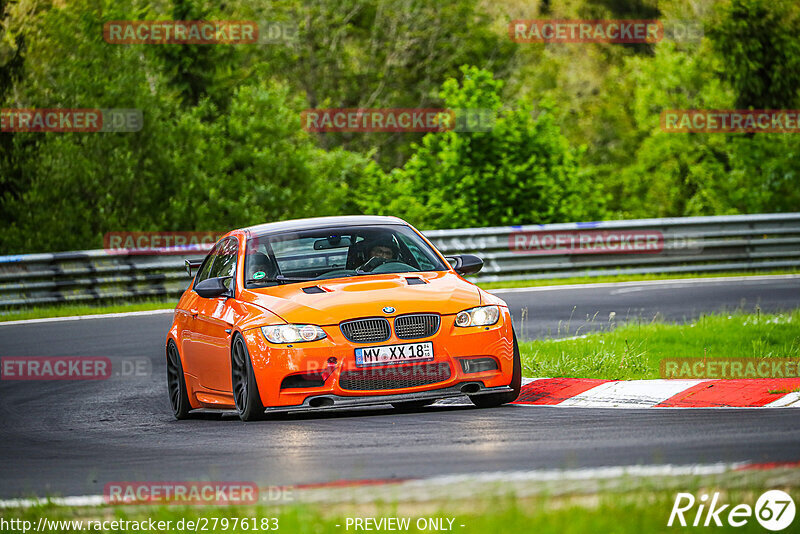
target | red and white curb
[{"x": 595, "y": 393}]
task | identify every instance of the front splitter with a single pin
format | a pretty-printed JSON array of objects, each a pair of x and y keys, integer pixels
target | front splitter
[{"x": 316, "y": 403}]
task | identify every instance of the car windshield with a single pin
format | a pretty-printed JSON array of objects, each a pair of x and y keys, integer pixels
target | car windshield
[{"x": 324, "y": 253}]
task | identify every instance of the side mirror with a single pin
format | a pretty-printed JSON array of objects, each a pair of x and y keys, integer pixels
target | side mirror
[
  {"x": 191, "y": 265},
  {"x": 213, "y": 287},
  {"x": 465, "y": 263}
]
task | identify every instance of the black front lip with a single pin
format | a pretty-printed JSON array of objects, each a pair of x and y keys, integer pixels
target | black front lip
[{"x": 332, "y": 402}]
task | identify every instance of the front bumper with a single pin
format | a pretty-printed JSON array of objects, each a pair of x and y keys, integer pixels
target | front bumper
[
  {"x": 271, "y": 364},
  {"x": 330, "y": 402}
]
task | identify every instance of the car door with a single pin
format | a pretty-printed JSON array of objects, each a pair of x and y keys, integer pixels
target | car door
[
  {"x": 214, "y": 323},
  {"x": 189, "y": 312}
]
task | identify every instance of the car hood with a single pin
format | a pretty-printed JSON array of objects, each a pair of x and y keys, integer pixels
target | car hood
[{"x": 365, "y": 296}]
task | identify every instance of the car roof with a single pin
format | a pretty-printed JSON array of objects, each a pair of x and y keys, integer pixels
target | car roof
[{"x": 321, "y": 222}]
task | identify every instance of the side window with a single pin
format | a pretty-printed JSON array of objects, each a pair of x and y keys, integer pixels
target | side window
[
  {"x": 225, "y": 260},
  {"x": 205, "y": 269}
]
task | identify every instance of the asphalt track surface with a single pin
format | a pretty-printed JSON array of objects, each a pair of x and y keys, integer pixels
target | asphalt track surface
[{"x": 71, "y": 438}]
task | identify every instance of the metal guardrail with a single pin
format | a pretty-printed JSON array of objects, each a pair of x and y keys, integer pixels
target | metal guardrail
[{"x": 689, "y": 244}]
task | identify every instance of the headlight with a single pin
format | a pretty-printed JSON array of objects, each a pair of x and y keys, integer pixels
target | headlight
[
  {"x": 292, "y": 333},
  {"x": 480, "y": 316}
]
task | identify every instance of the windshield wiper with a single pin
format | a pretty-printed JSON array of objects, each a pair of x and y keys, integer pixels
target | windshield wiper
[
  {"x": 279, "y": 279},
  {"x": 360, "y": 272}
]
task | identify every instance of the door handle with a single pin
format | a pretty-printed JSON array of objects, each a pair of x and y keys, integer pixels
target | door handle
[{"x": 193, "y": 313}]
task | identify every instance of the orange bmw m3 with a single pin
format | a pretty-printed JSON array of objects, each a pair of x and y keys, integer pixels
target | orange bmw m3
[{"x": 335, "y": 312}]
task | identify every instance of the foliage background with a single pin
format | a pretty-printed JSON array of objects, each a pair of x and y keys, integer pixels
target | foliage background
[{"x": 577, "y": 136}]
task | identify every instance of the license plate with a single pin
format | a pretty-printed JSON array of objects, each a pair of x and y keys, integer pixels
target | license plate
[{"x": 388, "y": 354}]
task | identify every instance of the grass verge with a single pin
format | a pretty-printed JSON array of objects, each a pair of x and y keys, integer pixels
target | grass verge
[
  {"x": 634, "y": 350},
  {"x": 622, "y": 278},
  {"x": 69, "y": 310},
  {"x": 634, "y": 513}
]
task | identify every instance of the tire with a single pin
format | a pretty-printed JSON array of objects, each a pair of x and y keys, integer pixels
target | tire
[
  {"x": 243, "y": 383},
  {"x": 176, "y": 383},
  {"x": 496, "y": 399},
  {"x": 412, "y": 405}
]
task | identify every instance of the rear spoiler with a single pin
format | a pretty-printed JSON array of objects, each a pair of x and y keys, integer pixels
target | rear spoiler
[{"x": 192, "y": 264}]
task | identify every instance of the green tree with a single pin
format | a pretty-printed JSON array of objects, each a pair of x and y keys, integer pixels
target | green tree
[
  {"x": 198, "y": 71},
  {"x": 12, "y": 54},
  {"x": 255, "y": 164},
  {"x": 376, "y": 53},
  {"x": 522, "y": 171},
  {"x": 189, "y": 168},
  {"x": 758, "y": 42},
  {"x": 673, "y": 174},
  {"x": 684, "y": 174}
]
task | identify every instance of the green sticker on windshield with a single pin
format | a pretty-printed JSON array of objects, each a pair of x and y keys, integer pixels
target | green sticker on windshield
[{"x": 259, "y": 275}]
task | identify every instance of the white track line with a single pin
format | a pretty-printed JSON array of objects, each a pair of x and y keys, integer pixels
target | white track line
[
  {"x": 85, "y": 500},
  {"x": 85, "y": 317},
  {"x": 675, "y": 281},
  {"x": 594, "y": 473}
]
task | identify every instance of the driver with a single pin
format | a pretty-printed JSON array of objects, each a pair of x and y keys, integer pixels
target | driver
[{"x": 384, "y": 248}]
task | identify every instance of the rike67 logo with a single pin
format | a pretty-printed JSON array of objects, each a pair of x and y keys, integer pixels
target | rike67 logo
[{"x": 774, "y": 510}]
